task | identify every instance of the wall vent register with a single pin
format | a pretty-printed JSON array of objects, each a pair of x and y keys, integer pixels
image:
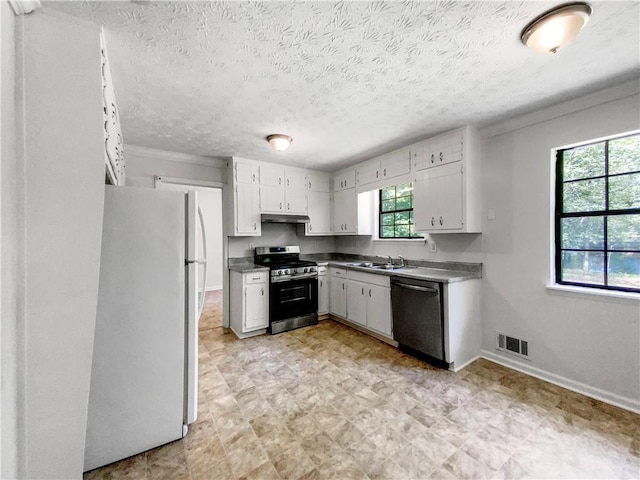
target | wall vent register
[{"x": 507, "y": 343}]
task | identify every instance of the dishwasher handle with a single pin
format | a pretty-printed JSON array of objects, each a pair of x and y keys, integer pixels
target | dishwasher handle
[{"x": 432, "y": 291}]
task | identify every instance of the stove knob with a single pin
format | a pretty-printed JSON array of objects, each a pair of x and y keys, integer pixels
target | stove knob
[
  {"x": 313, "y": 269},
  {"x": 287, "y": 271},
  {"x": 305, "y": 270}
]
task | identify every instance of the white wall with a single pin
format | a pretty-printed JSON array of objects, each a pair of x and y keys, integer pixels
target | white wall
[
  {"x": 280, "y": 234},
  {"x": 588, "y": 343},
  {"x": 63, "y": 205},
  {"x": 11, "y": 256}
]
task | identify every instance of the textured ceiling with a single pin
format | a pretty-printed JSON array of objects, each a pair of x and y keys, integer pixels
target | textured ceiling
[{"x": 346, "y": 80}]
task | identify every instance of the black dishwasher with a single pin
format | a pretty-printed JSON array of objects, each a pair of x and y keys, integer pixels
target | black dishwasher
[{"x": 418, "y": 321}]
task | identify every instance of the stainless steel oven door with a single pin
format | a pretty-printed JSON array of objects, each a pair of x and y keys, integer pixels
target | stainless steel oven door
[{"x": 295, "y": 298}]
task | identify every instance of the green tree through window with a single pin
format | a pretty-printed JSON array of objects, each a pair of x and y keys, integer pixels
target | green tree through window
[
  {"x": 597, "y": 219},
  {"x": 396, "y": 212}
]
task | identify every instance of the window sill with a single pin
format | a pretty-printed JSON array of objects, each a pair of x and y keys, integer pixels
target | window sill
[
  {"x": 400, "y": 240},
  {"x": 629, "y": 298}
]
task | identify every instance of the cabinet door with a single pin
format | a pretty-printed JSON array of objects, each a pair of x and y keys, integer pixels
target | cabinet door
[
  {"x": 296, "y": 200},
  {"x": 319, "y": 182},
  {"x": 345, "y": 179},
  {"x": 247, "y": 173},
  {"x": 368, "y": 172},
  {"x": 345, "y": 212},
  {"x": 323, "y": 294},
  {"x": 424, "y": 206},
  {"x": 338, "y": 296},
  {"x": 319, "y": 210},
  {"x": 256, "y": 313},
  {"x": 272, "y": 175},
  {"x": 448, "y": 190},
  {"x": 357, "y": 302},
  {"x": 379, "y": 309},
  {"x": 395, "y": 164},
  {"x": 444, "y": 149},
  {"x": 272, "y": 199},
  {"x": 295, "y": 179},
  {"x": 247, "y": 209}
]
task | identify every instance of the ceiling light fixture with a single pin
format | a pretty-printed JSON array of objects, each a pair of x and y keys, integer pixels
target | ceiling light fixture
[
  {"x": 279, "y": 142},
  {"x": 556, "y": 27}
]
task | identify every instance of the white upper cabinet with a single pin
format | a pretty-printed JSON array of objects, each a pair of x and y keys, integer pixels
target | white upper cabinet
[
  {"x": 386, "y": 170},
  {"x": 319, "y": 211},
  {"x": 344, "y": 179},
  {"x": 295, "y": 201},
  {"x": 246, "y": 172},
  {"x": 352, "y": 212},
  {"x": 368, "y": 172},
  {"x": 247, "y": 209},
  {"x": 395, "y": 164},
  {"x": 272, "y": 199},
  {"x": 271, "y": 175},
  {"x": 447, "y": 184},
  {"x": 295, "y": 178},
  {"x": 319, "y": 181}
]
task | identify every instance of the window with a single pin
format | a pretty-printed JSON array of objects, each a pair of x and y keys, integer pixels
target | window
[
  {"x": 597, "y": 218},
  {"x": 396, "y": 212}
]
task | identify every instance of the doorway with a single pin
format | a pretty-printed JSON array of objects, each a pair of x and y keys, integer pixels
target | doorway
[{"x": 210, "y": 200}]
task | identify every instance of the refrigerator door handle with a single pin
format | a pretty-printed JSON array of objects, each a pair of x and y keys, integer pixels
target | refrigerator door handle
[
  {"x": 199, "y": 262},
  {"x": 202, "y": 261}
]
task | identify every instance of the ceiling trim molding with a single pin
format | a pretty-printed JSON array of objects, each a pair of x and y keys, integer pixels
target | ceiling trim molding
[
  {"x": 609, "y": 94},
  {"x": 215, "y": 162},
  {"x": 22, "y": 7}
]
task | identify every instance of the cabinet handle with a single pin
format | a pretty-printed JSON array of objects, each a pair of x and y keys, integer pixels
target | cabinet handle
[
  {"x": 310, "y": 227},
  {"x": 255, "y": 226},
  {"x": 440, "y": 220},
  {"x": 384, "y": 172},
  {"x": 253, "y": 177},
  {"x": 362, "y": 290},
  {"x": 432, "y": 158},
  {"x": 343, "y": 285},
  {"x": 309, "y": 184},
  {"x": 262, "y": 291},
  {"x": 377, "y": 173},
  {"x": 433, "y": 220},
  {"x": 440, "y": 156},
  {"x": 255, "y": 278},
  {"x": 320, "y": 282},
  {"x": 287, "y": 182},
  {"x": 280, "y": 205},
  {"x": 279, "y": 181},
  {"x": 288, "y": 207},
  {"x": 369, "y": 292}
]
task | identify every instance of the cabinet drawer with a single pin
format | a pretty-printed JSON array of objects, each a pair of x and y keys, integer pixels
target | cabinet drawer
[
  {"x": 256, "y": 277},
  {"x": 372, "y": 278},
  {"x": 338, "y": 272}
]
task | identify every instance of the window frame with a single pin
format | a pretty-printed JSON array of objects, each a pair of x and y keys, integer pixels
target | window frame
[
  {"x": 606, "y": 212},
  {"x": 417, "y": 235}
]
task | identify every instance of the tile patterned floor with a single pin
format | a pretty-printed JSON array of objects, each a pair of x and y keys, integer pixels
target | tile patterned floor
[
  {"x": 330, "y": 402},
  {"x": 212, "y": 311}
]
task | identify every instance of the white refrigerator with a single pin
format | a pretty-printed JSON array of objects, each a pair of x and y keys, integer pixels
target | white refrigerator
[{"x": 144, "y": 376}]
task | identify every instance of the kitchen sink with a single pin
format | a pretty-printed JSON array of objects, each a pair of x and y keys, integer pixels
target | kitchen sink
[
  {"x": 388, "y": 266},
  {"x": 381, "y": 266}
]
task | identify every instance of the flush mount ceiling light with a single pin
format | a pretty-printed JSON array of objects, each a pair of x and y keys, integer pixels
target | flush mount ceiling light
[
  {"x": 556, "y": 27},
  {"x": 279, "y": 142}
]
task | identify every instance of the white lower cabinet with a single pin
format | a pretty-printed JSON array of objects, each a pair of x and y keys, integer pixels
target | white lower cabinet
[
  {"x": 338, "y": 292},
  {"x": 369, "y": 301},
  {"x": 323, "y": 291},
  {"x": 249, "y": 305}
]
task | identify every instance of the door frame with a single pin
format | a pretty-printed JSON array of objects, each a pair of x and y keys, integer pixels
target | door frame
[{"x": 158, "y": 180}]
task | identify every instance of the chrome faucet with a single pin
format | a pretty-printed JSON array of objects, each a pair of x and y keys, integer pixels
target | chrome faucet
[
  {"x": 390, "y": 260},
  {"x": 401, "y": 260}
]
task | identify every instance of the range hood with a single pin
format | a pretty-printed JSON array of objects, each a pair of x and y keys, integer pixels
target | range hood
[{"x": 281, "y": 218}]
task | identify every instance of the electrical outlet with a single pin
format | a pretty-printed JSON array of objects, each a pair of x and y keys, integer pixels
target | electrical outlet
[
  {"x": 252, "y": 246},
  {"x": 432, "y": 246}
]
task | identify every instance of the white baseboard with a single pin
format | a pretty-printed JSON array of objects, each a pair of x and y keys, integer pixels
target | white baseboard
[
  {"x": 211, "y": 289},
  {"x": 457, "y": 368},
  {"x": 593, "y": 392}
]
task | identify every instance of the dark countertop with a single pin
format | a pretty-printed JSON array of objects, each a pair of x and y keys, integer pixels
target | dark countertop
[
  {"x": 247, "y": 268},
  {"x": 432, "y": 274}
]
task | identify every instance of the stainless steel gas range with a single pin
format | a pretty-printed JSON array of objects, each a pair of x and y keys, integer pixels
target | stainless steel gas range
[{"x": 293, "y": 288}]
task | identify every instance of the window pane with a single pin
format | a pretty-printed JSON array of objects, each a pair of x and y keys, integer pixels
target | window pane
[
  {"x": 583, "y": 267},
  {"x": 386, "y": 219},
  {"x": 584, "y": 233},
  {"x": 624, "y": 192},
  {"x": 584, "y": 162},
  {"x": 388, "y": 205},
  {"x": 404, "y": 189},
  {"x": 388, "y": 232},
  {"x": 584, "y": 196},
  {"x": 403, "y": 202},
  {"x": 402, "y": 230},
  {"x": 402, "y": 218},
  {"x": 623, "y": 232},
  {"x": 624, "y": 270},
  {"x": 388, "y": 193},
  {"x": 624, "y": 155}
]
